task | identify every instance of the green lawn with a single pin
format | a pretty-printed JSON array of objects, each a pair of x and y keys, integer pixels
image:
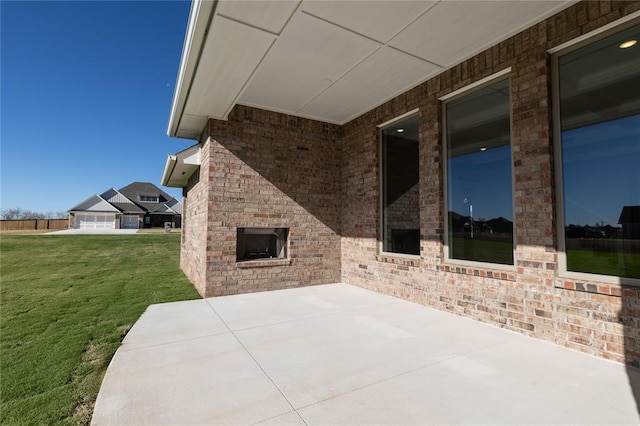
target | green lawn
[
  {"x": 482, "y": 250},
  {"x": 604, "y": 263},
  {"x": 66, "y": 303}
]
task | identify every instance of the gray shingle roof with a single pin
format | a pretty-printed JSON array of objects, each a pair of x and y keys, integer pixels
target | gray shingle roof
[
  {"x": 128, "y": 207},
  {"x": 134, "y": 190}
]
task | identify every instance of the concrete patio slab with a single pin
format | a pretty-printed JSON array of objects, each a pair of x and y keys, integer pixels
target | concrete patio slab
[
  {"x": 173, "y": 322},
  {"x": 338, "y": 354}
]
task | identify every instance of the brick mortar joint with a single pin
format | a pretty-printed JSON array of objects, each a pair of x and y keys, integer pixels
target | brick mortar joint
[{"x": 479, "y": 272}]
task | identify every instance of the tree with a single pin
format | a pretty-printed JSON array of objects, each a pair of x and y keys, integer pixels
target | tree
[
  {"x": 55, "y": 215},
  {"x": 18, "y": 214}
]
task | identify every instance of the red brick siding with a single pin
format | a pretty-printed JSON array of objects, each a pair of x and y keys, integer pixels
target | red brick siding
[
  {"x": 531, "y": 299},
  {"x": 273, "y": 170},
  {"x": 195, "y": 214}
]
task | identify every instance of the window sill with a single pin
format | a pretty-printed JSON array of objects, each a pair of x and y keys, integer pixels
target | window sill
[
  {"x": 263, "y": 263},
  {"x": 399, "y": 259},
  {"x": 596, "y": 284},
  {"x": 507, "y": 273}
]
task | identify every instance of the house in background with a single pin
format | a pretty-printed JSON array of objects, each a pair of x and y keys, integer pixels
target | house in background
[
  {"x": 137, "y": 205},
  {"x": 352, "y": 141},
  {"x": 158, "y": 206},
  {"x": 630, "y": 221}
]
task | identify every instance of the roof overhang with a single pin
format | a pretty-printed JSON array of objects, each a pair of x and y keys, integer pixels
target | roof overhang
[
  {"x": 329, "y": 60},
  {"x": 179, "y": 167}
]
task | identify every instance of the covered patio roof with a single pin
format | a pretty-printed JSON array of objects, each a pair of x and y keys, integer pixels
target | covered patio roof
[{"x": 329, "y": 60}]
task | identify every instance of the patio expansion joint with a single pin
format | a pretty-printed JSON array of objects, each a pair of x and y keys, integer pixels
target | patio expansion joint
[
  {"x": 124, "y": 347},
  {"x": 311, "y": 317},
  {"x": 275, "y": 417},
  {"x": 293, "y": 409}
]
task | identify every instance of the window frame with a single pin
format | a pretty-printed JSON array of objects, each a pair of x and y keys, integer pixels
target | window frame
[
  {"x": 504, "y": 74},
  {"x": 556, "y": 53},
  {"x": 149, "y": 198},
  {"x": 381, "y": 127}
]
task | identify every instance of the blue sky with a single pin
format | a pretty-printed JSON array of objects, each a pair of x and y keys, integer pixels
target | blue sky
[
  {"x": 86, "y": 91},
  {"x": 600, "y": 174},
  {"x": 601, "y": 171},
  {"x": 483, "y": 179}
]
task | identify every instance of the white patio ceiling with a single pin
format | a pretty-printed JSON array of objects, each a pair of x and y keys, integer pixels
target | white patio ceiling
[{"x": 329, "y": 60}]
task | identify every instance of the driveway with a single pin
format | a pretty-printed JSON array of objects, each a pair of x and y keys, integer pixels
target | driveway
[
  {"x": 339, "y": 354},
  {"x": 93, "y": 232}
]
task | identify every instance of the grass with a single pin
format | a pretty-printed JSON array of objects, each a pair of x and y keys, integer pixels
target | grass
[
  {"x": 482, "y": 250},
  {"x": 66, "y": 303},
  {"x": 604, "y": 263}
]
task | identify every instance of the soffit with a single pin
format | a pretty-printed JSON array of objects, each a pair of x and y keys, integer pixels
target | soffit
[
  {"x": 330, "y": 60},
  {"x": 180, "y": 167}
]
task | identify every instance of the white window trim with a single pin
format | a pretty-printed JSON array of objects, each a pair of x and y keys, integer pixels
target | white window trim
[
  {"x": 556, "y": 53},
  {"x": 157, "y": 199},
  {"x": 487, "y": 81},
  {"x": 595, "y": 35},
  {"x": 381, "y": 128},
  {"x": 394, "y": 120}
]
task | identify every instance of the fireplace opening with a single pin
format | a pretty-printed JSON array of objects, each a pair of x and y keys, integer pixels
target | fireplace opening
[{"x": 261, "y": 244}]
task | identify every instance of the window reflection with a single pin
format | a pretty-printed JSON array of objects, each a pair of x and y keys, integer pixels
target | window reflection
[
  {"x": 400, "y": 193},
  {"x": 600, "y": 123},
  {"x": 479, "y": 184}
]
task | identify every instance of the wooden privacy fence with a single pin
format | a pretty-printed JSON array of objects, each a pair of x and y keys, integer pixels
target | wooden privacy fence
[{"x": 32, "y": 224}]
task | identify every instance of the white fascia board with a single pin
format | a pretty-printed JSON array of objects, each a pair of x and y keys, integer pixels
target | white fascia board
[
  {"x": 78, "y": 206},
  {"x": 95, "y": 213},
  {"x": 108, "y": 204},
  {"x": 125, "y": 197},
  {"x": 169, "y": 166},
  {"x": 168, "y": 210},
  {"x": 199, "y": 20},
  {"x": 185, "y": 160}
]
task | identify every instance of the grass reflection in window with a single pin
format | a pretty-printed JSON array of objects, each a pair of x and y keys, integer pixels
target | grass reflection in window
[{"x": 599, "y": 91}]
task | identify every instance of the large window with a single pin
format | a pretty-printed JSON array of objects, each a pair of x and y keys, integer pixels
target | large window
[
  {"x": 400, "y": 193},
  {"x": 479, "y": 186},
  {"x": 599, "y": 126}
]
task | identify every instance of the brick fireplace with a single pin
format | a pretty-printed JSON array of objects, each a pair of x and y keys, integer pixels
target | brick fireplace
[{"x": 261, "y": 243}]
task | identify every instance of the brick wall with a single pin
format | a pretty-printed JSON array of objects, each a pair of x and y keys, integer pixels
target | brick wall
[
  {"x": 195, "y": 219},
  {"x": 531, "y": 298},
  {"x": 272, "y": 170},
  {"x": 264, "y": 169}
]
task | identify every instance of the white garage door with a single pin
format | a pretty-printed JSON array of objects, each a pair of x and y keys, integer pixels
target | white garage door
[
  {"x": 129, "y": 222},
  {"x": 95, "y": 221}
]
